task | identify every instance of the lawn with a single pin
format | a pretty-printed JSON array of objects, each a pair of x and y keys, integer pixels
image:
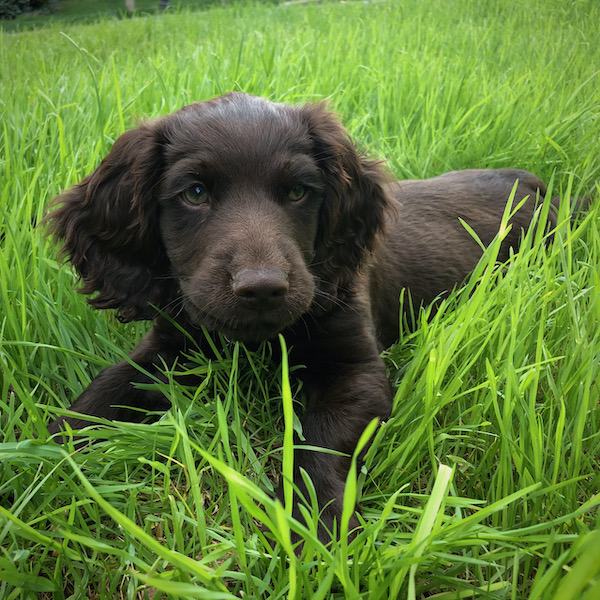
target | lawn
[
  {"x": 484, "y": 482},
  {"x": 68, "y": 12}
]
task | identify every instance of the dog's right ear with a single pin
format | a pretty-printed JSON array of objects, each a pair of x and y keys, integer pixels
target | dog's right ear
[
  {"x": 356, "y": 203},
  {"x": 108, "y": 226}
]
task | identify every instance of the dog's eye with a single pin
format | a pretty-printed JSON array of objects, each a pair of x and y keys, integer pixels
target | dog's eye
[
  {"x": 196, "y": 194},
  {"x": 297, "y": 193}
]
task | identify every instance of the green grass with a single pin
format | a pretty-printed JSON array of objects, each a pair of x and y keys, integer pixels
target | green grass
[
  {"x": 65, "y": 13},
  {"x": 484, "y": 483}
]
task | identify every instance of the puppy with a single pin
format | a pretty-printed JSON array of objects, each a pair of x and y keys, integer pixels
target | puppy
[{"x": 252, "y": 219}]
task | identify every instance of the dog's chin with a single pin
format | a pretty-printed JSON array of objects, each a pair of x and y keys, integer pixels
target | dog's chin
[
  {"x": 253, "y": 335},
  {"x": 248, "y": 330}
]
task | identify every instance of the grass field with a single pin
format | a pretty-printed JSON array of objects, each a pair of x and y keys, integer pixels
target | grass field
[
  {"x": 485, "y": 481},
  {"x": 65, "y": 13}
]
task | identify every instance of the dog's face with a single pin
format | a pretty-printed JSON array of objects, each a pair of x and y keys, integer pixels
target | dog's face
[
  {"x": 243, "y": 213},
  {"x": 239, "y": 206}
]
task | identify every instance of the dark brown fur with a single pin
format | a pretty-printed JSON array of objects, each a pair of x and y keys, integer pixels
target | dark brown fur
[{"x": 251, "y": 260}]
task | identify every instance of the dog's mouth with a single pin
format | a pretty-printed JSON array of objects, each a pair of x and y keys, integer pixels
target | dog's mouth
[
  {"x": 237, "y": 322},
  {"x": 250, "y": 305},
  {"x": 253, "y": 328}
]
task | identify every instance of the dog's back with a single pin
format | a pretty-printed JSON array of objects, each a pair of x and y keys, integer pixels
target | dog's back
[{"x": 427, "y": 248}]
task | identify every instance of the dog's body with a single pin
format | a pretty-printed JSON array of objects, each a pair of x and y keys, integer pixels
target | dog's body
[
  {"x": 428, "y": 250},
  {"x": 254, "y": 219}
]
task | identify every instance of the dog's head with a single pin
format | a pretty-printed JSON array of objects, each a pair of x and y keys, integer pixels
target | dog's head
[{"x": 243, "y": 213}]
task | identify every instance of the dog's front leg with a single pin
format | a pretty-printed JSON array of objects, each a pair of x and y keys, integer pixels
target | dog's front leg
[
  {"x": 346, "y": 388},
  {"x": 115, "y": 393}
]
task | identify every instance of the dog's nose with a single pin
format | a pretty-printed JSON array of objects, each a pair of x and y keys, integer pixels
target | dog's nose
[{"x": 260, "y": 289}]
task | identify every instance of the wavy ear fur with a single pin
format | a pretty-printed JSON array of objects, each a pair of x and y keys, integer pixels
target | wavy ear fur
[
  {"x": 356, "y": 203},
  {"x": 108, "y": 225}
]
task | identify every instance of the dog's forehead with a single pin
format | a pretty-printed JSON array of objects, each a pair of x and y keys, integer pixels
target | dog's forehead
[
  {"x": 239, "y": 136},
  {"x": 232, "y": 104},
  {"x": 242, "y": 120}
]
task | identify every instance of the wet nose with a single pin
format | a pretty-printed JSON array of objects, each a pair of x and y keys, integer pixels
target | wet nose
[{"x": 260, "y": 289}]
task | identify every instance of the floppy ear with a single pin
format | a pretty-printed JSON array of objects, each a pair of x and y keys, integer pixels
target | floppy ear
[
  {"x": 108, "y": 225},
  {"x": 355, "y": 205}
]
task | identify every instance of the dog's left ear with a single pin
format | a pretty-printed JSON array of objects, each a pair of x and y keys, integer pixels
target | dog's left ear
[
  {"x": 356, "y": 203},
  {"x": 108, "y": 226}
]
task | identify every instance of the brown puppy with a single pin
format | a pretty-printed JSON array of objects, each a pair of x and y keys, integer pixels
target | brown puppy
[{"x": 252, "y": 218}]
